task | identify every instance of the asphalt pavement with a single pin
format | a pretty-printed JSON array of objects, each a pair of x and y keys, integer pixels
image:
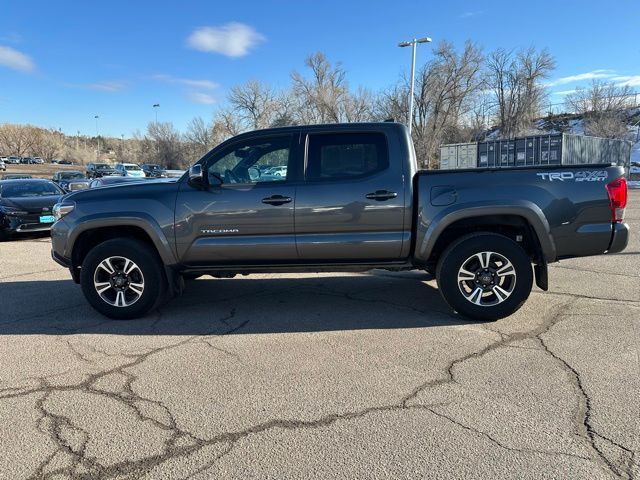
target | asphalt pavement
[{"x": 321, "y": 376}]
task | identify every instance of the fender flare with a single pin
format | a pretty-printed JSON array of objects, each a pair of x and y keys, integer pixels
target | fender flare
[
  {"x": 527, "y": 210},
  {"x": 126, "y": 219}
]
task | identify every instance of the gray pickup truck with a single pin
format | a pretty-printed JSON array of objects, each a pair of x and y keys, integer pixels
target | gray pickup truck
[{"x": 337, "y": 198}]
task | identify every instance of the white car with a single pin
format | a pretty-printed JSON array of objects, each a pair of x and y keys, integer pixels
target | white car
[
  {"x": 129, "y": 170},
  {"x": 3, "y": 167}
]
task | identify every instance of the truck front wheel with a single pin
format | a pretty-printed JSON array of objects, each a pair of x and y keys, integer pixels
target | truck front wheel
[
  {"x": 122, "y": 278},
  {"x": 485, "y": 276}
]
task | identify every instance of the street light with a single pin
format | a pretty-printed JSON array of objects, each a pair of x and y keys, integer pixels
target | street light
[
  {"x": 413, "y": 44},
  {"x": 155, "y": 107},
  {"x": 97, "y": 137}
]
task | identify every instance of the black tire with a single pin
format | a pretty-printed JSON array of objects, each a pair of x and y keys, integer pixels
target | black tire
[
  {"x": 147, "y": 264},
  {"x": 478, "y": 306}
]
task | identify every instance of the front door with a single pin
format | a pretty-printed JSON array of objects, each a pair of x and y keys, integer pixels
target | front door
[{"x": 244, "y": 213}]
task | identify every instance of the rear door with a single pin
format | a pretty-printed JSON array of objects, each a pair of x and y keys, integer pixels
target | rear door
[
  {"x": 248, "y": 217},
  {"x": 351, "y": 203}
]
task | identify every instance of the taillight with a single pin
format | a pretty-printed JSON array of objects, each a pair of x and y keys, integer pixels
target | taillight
[{"x": 617, "y": 198}]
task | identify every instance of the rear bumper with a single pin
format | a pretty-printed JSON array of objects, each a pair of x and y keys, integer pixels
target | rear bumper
[{"x": 619, "y": 238}]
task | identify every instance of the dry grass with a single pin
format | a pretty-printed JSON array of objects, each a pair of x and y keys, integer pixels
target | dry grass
[{"x": 45, "y": 170}]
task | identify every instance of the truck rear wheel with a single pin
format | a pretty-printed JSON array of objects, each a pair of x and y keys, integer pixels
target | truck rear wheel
[
  {"x": 485, "y": 276},
  {"x": 122, "y": 278}
]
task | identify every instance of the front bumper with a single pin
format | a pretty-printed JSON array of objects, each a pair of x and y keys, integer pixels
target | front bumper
[
  {"x": 60, "y": 260},
  {"x": 24, "y": 224},
  {"x": 619, "y": 238}
]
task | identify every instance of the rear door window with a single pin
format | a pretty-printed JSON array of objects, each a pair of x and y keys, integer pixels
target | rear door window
[{"x": 339, "y": 156}]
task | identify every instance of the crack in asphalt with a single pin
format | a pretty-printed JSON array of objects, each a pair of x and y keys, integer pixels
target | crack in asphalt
[
  {"x": 585, "y": 411},
  {"x": 60, "y": 428},
  {"x": 587, "y": 270},
  {"x": 632, "y": 303},
  {"x": 38, "y": 272},
  {"x": 502, "y": 445}
]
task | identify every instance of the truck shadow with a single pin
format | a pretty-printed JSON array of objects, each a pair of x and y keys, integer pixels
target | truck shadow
[{"x": 243, "y": 305}]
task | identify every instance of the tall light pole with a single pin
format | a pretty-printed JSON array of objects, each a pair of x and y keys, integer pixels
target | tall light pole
[
  {"x": 413, "y": 44},
  {"x": 155, "y": 107},
  {"x": 97, "y": 137}
]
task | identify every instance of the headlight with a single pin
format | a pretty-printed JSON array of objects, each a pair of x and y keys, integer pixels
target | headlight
[{"x": 61, "y": 209}]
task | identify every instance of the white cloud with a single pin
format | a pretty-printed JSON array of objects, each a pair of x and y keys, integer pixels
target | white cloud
[
  {"x": 108, "y": 86},
  {"x": 10, "y": 37},
  {"x": 194, "y": 83},
  {"x": 16, "y": 60},
  {"x": 627, "y": 80},
  {"x": 232, "y": 39},
  {"x": 565, "y": 92},
  {"x": 201, "y": 98},
  {"x": 583, "y": 76},
  {"x": 470, "y": 14}
]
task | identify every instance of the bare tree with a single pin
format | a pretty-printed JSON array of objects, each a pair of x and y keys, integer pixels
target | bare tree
[
  {"x": 47, "y": 143},
  {"x": 228, "y": 123},
  {"x": 321, "y": 98},
  {"x": 600, "y": 97},
  {"x": 166, "y": 142},
  {"x": 255, "y": 105},
  {"x": 199, "y": 134},
  {"x": 516, "y": 80},
  {"x": 393, "y": 103},
  {"x": 603, "y": 108},
  {"x": 17, "y": 139}
]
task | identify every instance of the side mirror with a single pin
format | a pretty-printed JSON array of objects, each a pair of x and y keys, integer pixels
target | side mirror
[{"x": 196, "y": 175}]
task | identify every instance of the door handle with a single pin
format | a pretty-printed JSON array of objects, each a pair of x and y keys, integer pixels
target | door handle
[
  {"x": 381, "y": 195},
  {"x": 276, "y": 200}
]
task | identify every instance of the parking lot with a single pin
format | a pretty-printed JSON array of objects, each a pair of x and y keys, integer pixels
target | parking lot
[{"x": 321, "y": 376}]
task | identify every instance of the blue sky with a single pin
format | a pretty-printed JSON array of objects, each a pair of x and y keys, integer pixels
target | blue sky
[{"x": 63, "y": 62}]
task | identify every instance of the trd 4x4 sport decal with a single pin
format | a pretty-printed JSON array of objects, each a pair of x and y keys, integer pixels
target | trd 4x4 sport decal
[{"x": 582, "y": 176}]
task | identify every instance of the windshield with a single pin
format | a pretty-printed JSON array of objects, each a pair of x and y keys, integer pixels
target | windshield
[
  {"x": 132, "y": 167},
  {"x": 71, "y": 175},
  {"x": 102, "y": 166},
  {"x": 153, "y": 167},
  {"x": 28, "y": 189}
]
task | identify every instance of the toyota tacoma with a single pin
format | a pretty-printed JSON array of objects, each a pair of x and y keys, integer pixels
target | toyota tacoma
[{"x": 345, "y": 197}]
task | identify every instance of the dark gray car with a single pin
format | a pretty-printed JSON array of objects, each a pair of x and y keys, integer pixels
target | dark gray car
[{"x": 338, "y": 198}]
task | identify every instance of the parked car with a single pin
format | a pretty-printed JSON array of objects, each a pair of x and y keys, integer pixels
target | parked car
[
  {"x": 65, "y": 162},
  {"x": 3, "y": 166},
  {"x": 26, "y": 160},
  {"x": 153, "y": 170},
  {"x": 175, "y": 173},
  {"x": 27, "y": 205},
  {"x": 16, "y": 176},
  {"x": 114, "y": 180},
  {"x": 97, "y": 170},
  {"x": 64, "y": 177},
  {"x": 13, "y": 160},
  {"x": 129, "y": 170},
  {"x": 75, "y": 185},
  {"x": 38, "y": 160},
  {"x": 352, "y": 200}
]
